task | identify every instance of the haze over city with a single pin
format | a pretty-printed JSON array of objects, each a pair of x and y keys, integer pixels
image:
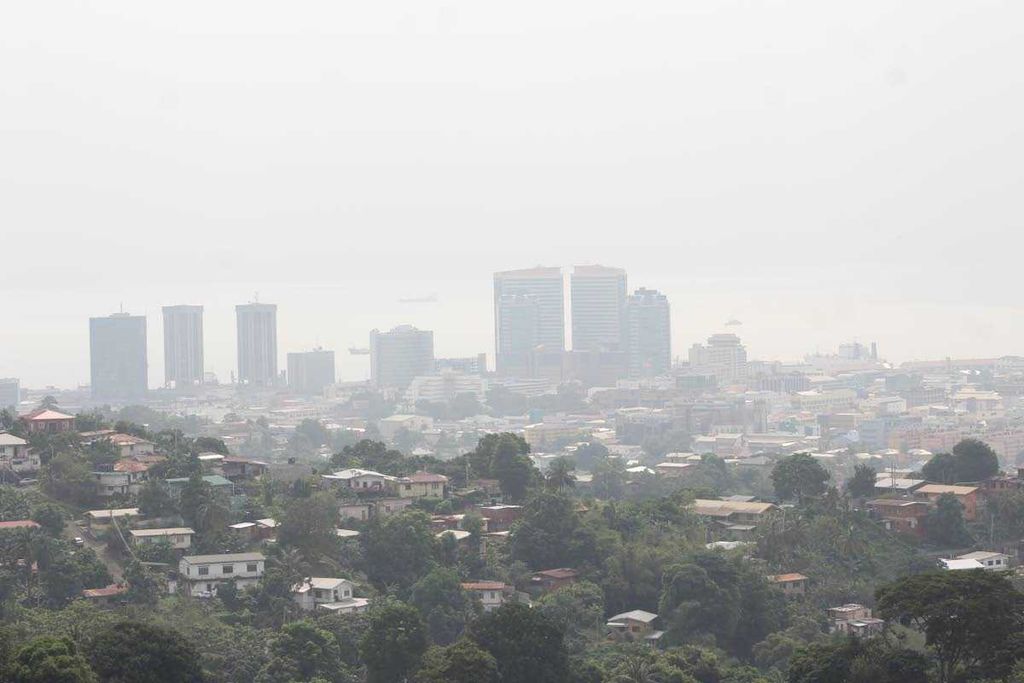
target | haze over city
[{"x": 820, "y": 176}]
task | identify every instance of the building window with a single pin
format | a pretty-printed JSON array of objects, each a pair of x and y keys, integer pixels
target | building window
[
  {"x": 227, "y": 569},
  {"x": 203, "y": 571},
  {"x": 251, "y": 567}
]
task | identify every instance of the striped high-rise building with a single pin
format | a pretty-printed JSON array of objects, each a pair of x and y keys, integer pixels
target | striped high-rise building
[
  {"x": 598, "y": 298},
  {"x": 183, "y": 345},
  {"x": 257, "y": 344},
  {"x": 529, "y": 312}
]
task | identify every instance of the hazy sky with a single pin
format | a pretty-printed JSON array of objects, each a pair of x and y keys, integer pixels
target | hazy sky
[{"x": 822, "y": 171}]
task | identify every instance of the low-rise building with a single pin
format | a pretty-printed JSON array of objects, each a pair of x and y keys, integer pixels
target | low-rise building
[
  {"x": 492, "y": 594},
  {"x": 989, "y": 560},
  {"x": 422, "y": 485},
  {"x": 636, "y": 624},
  {"x": 336, "y": 594},
  {"x": 901, "y": 515},
  {"x": 792, "y": 584},
  {"x": 103, "y": 517},
  {"x": 361, "y": 481},
  {"x": 46, "y": 421},
  {"x": 179, "y": 538},
  {"x": 500, "y": 517},
  {"x": 15, "y": 455},
  {"x": 201, "y": 574},
  {"x": 966, "y": 495},
  {"x": 854, "y": 619},
  {"x": 553, "y": 579}
]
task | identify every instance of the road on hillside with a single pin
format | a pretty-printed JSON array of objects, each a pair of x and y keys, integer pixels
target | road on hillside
[{"x": 72, "y": 530}]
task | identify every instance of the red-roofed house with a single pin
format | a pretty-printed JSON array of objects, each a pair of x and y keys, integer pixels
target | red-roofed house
[
  {"x": 107, "y": 594},
  {"x": 45, "y": 421},
  {"x": 791, "y": 584},
  {"x": 553, "y": 579},
  {"x": 19, "y": 524},
  {"x": 422, "y": 485}
]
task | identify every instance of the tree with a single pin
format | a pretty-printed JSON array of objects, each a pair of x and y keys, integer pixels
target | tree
[
  {"x": 941, "y": 469},
  {"x": 48, "y": 403},
  {"x": 49, "y": 660},
  {"x": 944, "y": 526},
  {"x": 609, "y": 482},
  {"x": 398, "y": 549},
  {"x": 50, "y": 517},
  {"x": 527, "y": 645},
  {"x": 862, "y": 483},
  {"x": 463, "y": 662},
  {"x": 578, "y": 610},
  {"x": 550, "y": 535},
  {"x": 394, "y": 642},
  {"x": 309, "y": 523},
  {"x": 443, "y": 604},
  {"x": 969, "y": 618},
  {"x": 154, "y": 499},
  {"x": 976, "y": 461},
  {"x": 69, "y": 479},
  {"x": 143, "y": 587},
  {"x": 303, "y": 652},
  {"x": 137, "y": 652},
  {"x": 851, "y": 660},
  {"x": 560, "y": 475},
  {"x": 505, "y": 457},
  {"x": 799, "y": 476}
]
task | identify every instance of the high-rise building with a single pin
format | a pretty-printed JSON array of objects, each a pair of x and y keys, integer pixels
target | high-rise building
[
  {"x": 117, "y": 351},
  {"x": 648, "y": 334},
  {"x": 543, "y": 285},
  {"x": 183, "y": 345},
  {"x": 309, "y": 372},
  {"x": 399, "y": 355},
  {"x": 724, "y": 356},
  {"x": 10, "y": 392},
  {"x": 598, "y": 296},
  {"x": 529, "y": 312},
  {"x": 257, "y": 344}
]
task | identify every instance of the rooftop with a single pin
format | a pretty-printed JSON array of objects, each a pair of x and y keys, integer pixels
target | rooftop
[
  {"x": 483, "y": 586},
  {"x": 635, "y": 615},
  {"x": 947, "y": 488},
  {"x": 227, "y": 557},
  {"x": 11, "y": 440},
  {"x": 169, "y": 531}
]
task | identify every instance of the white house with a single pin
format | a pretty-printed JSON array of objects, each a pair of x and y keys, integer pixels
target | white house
[
  {"x": 635, "y": 624},
  {"x": 991, "y": 561},
  {"x": 360, "y": 480},
  {"x": 15, "y": 454},
  {"x": 203, "y": 573},
  {"x": 492, "y": 594},
  {"x": 179, "y": 537},
  {"x": 961, "y": 564},
  {"x": 330, "y": 593}
]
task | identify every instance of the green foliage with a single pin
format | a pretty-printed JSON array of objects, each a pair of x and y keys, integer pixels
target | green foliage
[
  {"x": 394, "y": 642},
  {"x": 50, "y": 517},
  {"x": 971, "y": 460},
  {"x": 862, "y": 483},
  {"x": 308, "y": 525},
  {"x": 560, "y": 475},
  {"x": 371, "y": 455},
  {"x": 143, "y": 587},
  {"x": 577, "y": 610},
  {"x": 445, "y": 607},
  {"x": 944, "y": 526},
  {"x": 528, "y": 646},
  {"x": 154, "y": 499},
  {"x": 14, "y": 504},
  {"x": 463, "y": 662},
  {"x": 970, "y": 619},
  {"x": 303, "y": 652},
  {"x": 138, "y": 652},
  {"x": 847, "y": 659},
  {"x": 799, "y": 476},
  {"x": 398, "y": 549},
  {"x": 69, "y": 479},
  {"x": 504, "y": 457},
  {"x": 49, "y": 660},
  {"x": 550, "y": 534}
]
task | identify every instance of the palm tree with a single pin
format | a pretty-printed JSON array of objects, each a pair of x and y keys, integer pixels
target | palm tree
[
  {"x": 561, "y": 474},
  {"x": 636, "y": 670}
]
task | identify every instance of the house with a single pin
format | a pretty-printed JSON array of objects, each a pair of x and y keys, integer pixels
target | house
[
  {"x": 360, "y": 511},
  {"x": 45, "y": 421},
  {"x": 237, "y": 469},
  {"x": 501, "y": 517},
  {"x": 553, "y": 579},
  {"x": 635, "y": 625},
  {"x": 385, "y": 507},
  {"x": 967, "y": 495},
  {"x": 422, "y": 485},
  {"x": 124, "y": 477},
  {"x": 737, "y": 519},
  {"x": 19, "y": 524},
  {"x": 854, "y": 619},
  {"x": 458, "y": 534},
  {"x": 989, "y": 560},
  {"x": 492, "y": 594},
  {"x": 105, "y": 595},
  {"x": 221, "y": 486},
  {"x": 15, "y": 454},
  {"x": 201, "y": 574},
  {"x": 391, "y": 426},
  {"x": 672, "y": 470},
  {"x": 361, "y": 481},
  {"x": 324, "y": 592},
  {"x": 791, "y": 584},
  {"x": 178, "y": 537},
  {"x": 960, "y": 564},
  {"x": 103, "y": 517},
  {"x": 901, "y": 515},
  {"x": 886, "y": 482},
  {"x": 127, "y": 445},
  {"x": 349, "y": 606}
]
